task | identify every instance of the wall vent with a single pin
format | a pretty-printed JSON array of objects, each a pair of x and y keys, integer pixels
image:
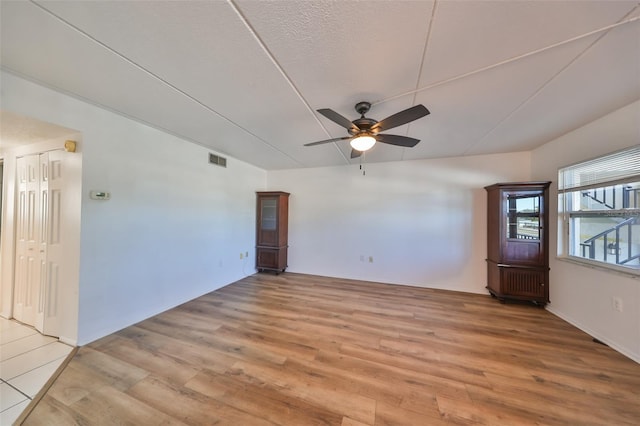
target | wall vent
[{"x": 217, "y": 160}]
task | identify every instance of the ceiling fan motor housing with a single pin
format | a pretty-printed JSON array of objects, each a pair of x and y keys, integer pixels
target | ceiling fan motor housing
[
  {"x": 363, "y": 107},
  {"x": 364, "y": 124}
]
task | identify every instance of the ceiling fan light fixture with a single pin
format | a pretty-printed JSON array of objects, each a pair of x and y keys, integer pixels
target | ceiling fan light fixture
[{"x": 363, "y": 143}]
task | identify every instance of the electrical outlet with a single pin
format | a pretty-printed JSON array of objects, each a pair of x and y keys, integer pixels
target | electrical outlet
[
  {"x": 370, "y": 259},
  {"x": 241, "y": 255},
  {"x": 246, "y": 254},
  {"x": 617, "y": 304}
]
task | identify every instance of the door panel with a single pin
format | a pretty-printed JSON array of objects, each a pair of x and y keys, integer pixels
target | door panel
[
  {"x": 28, "y": 259},
  {"x": 43, "y": 214},
  {"x": 54, "y": 242}
]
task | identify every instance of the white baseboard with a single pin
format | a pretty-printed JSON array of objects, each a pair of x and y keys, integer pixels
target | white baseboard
[{"x": 624, "y": 351}]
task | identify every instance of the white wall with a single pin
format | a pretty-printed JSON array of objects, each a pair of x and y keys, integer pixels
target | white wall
[
  {"x": 423, "y": 222},
  {"x": 579, "y": 294},
  {"x": 174, "y": 227}
]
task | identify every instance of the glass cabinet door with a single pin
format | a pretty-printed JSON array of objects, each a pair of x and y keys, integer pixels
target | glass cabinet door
[
  {"x": 523, "y": 216},
  {"x": 268, "y": 214}
]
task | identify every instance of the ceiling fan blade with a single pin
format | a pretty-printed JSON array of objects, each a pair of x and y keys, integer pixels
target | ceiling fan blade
[
  {"x": 327, "y": 141},
  {"x": 397, "y": 140},
  {"x": 355, "y": 153},
  {"x": 338, "y": 119},
  {"x": 400, "y": 118}
]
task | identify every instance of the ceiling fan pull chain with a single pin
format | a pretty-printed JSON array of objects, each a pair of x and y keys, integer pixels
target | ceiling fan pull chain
[{"x": 364, "y": 172}]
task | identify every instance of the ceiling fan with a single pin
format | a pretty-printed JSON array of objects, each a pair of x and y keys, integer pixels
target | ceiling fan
[{"x": 365, "y": 132}]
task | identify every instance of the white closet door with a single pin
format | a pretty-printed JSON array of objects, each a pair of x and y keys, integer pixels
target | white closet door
[{"x": 39, "y": 251}]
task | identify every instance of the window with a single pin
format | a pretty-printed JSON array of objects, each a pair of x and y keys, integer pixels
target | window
[{"x": 600, "y": 210}]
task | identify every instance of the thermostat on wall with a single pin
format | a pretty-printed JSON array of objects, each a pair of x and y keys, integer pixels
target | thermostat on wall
[{"x": 100, "y": 195}]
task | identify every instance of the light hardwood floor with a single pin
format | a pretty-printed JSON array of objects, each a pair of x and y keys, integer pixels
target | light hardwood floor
[{"x": 304, "y": 350}]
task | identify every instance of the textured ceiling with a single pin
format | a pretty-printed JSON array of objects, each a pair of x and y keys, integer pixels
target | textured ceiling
[
  {"x": 244, "y": 78},
  {"x": 17, "y": 130}
]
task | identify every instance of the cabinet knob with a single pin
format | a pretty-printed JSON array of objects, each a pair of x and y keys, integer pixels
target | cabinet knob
[{"x": 541, "y": 284}]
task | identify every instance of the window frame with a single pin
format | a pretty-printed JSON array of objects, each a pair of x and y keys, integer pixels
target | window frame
[{"x": 618, "y": 168}]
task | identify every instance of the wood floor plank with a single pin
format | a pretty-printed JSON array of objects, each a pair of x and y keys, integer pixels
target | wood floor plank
[
  {"x": 259, "y": 400},
  {"x": 555, "y": 399},
  {"x": 338, "y": 401},
  {"x": 76, "y": 382},
  {"x": 215, "y": 341},
  {"x": 301, "y": 350},
  {"x": 390, "y": 415},
  {"x": 51, "y": 412},
  {"x": 269, "y": 342},
  {"x": 110, "y": 406},
  {"x": 346, "y": 421},
  {"x": 472, "y": 413},
  {"x": 188, "y": 406},
  {"x": 188, "y": 352},
  {"x": 325, "y": 372},
  {"x": 439, "y": 373},
  {"x": 155, "y": 362}
]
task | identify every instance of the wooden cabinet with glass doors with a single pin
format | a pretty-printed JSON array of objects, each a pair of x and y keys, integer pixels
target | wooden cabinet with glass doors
[
  {"x": 518, "y": 241},
  {"x": 272, "y": 219}
]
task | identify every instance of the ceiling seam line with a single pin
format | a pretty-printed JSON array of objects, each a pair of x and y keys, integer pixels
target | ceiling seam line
[
  {"x": 160, "y": 79},
  {"x": 509, "y": 60},
  {"x": 426, "y": 47},
  {"x": 422, "y": 62},
  {"x": 281, "y": 70},
  {"x": 545, "y": 84}
]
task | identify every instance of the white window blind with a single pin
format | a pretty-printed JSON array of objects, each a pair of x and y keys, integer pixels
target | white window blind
[{"x": 618, "y": 167}]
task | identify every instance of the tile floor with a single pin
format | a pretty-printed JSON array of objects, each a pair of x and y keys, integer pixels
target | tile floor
[{"x": 27, "y": 360}]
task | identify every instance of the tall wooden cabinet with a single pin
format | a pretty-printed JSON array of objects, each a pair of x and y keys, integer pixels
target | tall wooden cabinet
[
  {"x": 518, "y": 241},
  {"x": 272, "y": 233}
]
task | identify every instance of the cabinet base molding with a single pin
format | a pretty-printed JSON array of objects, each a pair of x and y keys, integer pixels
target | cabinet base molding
[{"x": 277, "y": 271}]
